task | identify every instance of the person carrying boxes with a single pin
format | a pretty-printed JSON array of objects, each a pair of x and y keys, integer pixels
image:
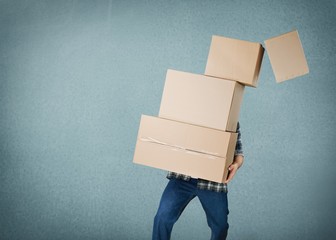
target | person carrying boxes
[
  {"x": 213, "y": 101},
  {"x": 197, "y": 136}
]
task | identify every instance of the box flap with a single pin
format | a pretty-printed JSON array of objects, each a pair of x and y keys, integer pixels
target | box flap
[{"x": 287, "y": 56}]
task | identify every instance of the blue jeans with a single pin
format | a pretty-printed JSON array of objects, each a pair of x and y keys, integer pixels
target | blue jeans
[{"x": 176, "y": 197}]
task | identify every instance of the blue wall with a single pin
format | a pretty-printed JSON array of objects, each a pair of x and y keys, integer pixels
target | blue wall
[{"x": 76, "y": 76}]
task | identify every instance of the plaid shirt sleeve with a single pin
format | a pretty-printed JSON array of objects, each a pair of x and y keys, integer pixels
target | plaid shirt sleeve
[{"x": 239, "y": 145}]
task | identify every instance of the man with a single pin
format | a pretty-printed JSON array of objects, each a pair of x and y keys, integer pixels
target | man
[{"x": 181, "y": 189}]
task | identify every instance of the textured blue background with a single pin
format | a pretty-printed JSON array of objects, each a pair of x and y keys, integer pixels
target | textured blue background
[{"x": 75, "y": 78}]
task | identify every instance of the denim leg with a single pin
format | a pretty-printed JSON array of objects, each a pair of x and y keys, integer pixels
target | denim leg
[
  {"x": 215, "y": 205},
  {"x": 175, "y": 197}
]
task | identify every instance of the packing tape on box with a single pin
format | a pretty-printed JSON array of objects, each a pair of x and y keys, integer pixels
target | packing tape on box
[{"x": 177, "y": 148}]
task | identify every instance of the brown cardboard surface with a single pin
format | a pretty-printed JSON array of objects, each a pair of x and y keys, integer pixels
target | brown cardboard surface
[
  {"x": 287, "y": 56},
  {"x": 201, "y": 100},
  {"x": 235, "y": 59},
  {"x": 184, "y": 148}
]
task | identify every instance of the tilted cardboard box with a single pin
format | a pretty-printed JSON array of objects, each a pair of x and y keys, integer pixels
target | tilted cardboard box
[
  {"x": 184, "y": 148},
  {"x": 234, "y": 59},
  {"x": 201, "y": 100},
  {"x": 286, "y": 56}
]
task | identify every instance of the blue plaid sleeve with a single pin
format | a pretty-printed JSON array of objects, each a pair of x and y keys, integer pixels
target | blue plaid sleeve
[{"x": 239, "y": 145}]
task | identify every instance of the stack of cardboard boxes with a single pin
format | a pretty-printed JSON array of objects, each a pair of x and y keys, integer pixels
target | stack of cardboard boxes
[{"x": 195, "y": 132}]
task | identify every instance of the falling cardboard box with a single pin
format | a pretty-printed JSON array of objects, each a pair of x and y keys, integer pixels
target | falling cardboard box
[
  {"x": 184, "y": 148},
  {"x": 201, "y": 100},
  {"x": 287, "y": 56}
]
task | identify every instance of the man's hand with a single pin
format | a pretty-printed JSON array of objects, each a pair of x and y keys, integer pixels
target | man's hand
[{"x": 237, "y": 162}]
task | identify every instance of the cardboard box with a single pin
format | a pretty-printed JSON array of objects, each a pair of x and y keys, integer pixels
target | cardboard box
[
  {"x": 201, "y": 100},
  {"x": 184, "y": 148},
  {"x": 235, "y": 59},
  {"x": 286, "y": 56}
]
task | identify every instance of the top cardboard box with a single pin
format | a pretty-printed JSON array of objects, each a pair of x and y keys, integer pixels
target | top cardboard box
[
  {"x": 286, "y": 56},
  {"x": 240, "y": 60},
  {"x": 234, "y": 59}
]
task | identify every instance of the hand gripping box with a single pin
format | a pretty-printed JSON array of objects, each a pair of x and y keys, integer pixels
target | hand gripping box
[
  {"x": 201, "y": 100},
  {"x": 184, "y": 148}
]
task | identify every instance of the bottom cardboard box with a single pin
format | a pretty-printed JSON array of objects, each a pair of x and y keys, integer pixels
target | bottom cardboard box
[{"x": 184, "y": 148}]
